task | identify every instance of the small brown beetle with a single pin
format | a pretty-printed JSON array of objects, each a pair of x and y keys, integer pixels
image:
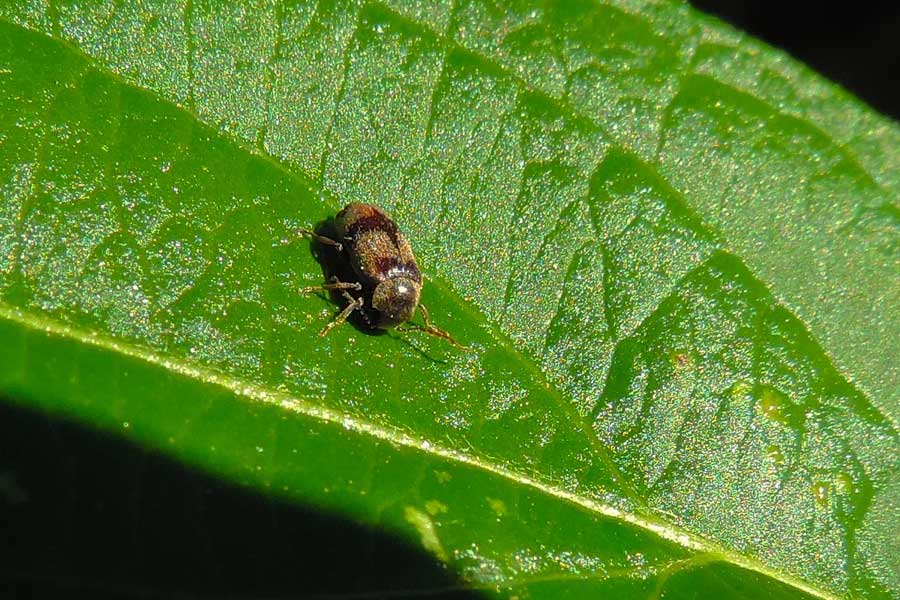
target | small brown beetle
[{"x": 388, "y": 278}]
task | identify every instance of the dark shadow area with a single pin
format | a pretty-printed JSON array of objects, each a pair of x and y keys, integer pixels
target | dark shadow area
[
  {"x": 854, "y": 44},
  {"x": 85, "y": 514},
  {"x": 336, "y": 265}
]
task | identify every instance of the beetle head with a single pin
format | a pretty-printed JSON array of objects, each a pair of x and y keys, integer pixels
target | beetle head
[{"x": 395, "y": 300}]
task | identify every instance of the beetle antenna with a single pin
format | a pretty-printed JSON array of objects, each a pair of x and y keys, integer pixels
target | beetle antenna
[{"x": 436, "y": 331}]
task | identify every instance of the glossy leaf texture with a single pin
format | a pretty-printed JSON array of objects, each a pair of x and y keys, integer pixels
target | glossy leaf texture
[{"x": 672, "y": 252}]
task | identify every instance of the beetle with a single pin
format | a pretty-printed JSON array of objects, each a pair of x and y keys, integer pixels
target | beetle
[{"x": 388, "y": 279}]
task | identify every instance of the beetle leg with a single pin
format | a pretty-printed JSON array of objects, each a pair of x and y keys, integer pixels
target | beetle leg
[
  {"x": 321, "y": 239},
  {"x": 355, "y": 303}
]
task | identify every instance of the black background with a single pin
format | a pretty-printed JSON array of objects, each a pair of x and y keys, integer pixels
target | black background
[
  {"x": 856, "y": 44},
  {"x": 83, "y": 514}
]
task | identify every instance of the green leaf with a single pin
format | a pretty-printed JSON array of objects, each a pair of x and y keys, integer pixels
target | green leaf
[{"x": 673, "y": 252}]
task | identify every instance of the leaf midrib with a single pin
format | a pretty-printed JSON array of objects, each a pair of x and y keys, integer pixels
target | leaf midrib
[{"x": 711, "y": 551}]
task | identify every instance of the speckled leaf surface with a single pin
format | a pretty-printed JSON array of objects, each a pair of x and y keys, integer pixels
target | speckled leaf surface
[{"x": 672, "y": 251}]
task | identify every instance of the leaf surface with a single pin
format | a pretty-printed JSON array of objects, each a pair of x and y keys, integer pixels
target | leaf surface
[{"x": 672, "y": 251}]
